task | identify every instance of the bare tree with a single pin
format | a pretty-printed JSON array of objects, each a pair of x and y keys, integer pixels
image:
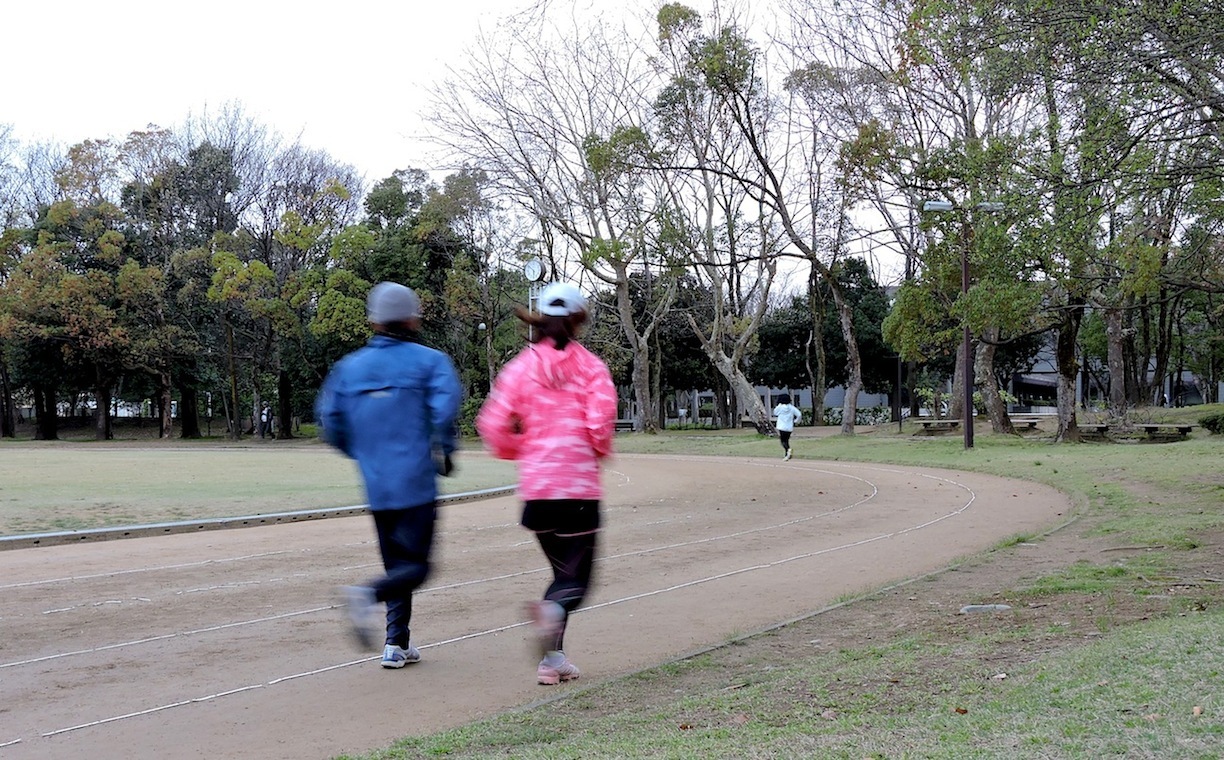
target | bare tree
[{"x": 555, "y": 116}]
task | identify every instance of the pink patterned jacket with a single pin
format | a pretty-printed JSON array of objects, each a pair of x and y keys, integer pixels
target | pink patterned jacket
[{"x": 555, "y": 413}]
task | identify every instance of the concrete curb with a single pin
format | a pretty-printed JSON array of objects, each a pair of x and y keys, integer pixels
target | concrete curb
[{"x": 94, "y": 535}]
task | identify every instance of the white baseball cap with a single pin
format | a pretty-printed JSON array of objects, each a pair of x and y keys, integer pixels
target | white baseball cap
[{"x": 560, "y": 299}]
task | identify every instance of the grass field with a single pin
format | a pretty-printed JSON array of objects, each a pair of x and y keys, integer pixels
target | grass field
[
  {"x": 70, "y": 486},
  {"x": 1145, "y": 682}
]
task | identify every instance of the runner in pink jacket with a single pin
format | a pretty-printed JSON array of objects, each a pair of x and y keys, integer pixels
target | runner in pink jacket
[{"x": 553, "y": 410}]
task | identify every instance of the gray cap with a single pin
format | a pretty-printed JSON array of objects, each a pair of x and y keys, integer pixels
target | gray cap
[
  {"x": 560, "y": 299},
  {"x": 390, "y": 302}
]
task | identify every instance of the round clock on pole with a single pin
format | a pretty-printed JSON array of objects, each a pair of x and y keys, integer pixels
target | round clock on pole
[{"x": 533, "y": 270}]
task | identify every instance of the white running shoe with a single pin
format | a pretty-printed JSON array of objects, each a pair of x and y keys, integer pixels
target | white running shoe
[
  {"x": 397, "y": 657},
  {"x": 787, "y": 457}
]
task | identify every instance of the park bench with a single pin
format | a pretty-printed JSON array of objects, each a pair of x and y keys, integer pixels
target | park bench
[
  {"x": 934, "y": 427},
  {"x": 1156, "y": 431},
  {"x": 1094, "y": 431},
  {"x": 1026, "y": 423},
  {"x": 624, "y": 426}
]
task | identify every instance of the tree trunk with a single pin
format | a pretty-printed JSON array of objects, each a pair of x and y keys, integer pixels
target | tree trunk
[
  {"x": 817, "y": 378},
  {"x": 233, "y": 410},
  {"x": 165, "y": 404},
  {"x": 983, "y": 369},
  {"x": 722, "y": 412},
  {"x": 956, "y": 404},
  {"x": 8, "y": 409},
  {"x": 645, "y": 420},
  {"x": 911, "y": 387},
  {"x": 855, "y": 384},
  {"x": 745, "y": 395},
  {"x": 816, "y": 348},
  {"x": 1068, "y": 368},
  {"x": 102, "y": 416},
  {"x": 189, "y": 412},
  {"x": 1117, "y": 363},
  {"x": 46, "y": 426},
  {"x": 284, "y": 406},
  {"x": 490, "y": 360}
]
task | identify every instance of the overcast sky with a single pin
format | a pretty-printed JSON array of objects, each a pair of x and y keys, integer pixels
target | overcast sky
[{"x": 351, "y": 79}]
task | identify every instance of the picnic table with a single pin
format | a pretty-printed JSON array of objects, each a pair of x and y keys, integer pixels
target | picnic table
[
  {"x": 1162, "y": 431},
  {"x": 934, "y": 427},
  {"x": 1029, "y": 423}
]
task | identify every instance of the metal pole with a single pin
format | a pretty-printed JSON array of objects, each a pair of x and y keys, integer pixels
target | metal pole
[
  {"x": 897, "y": 405},
  {"x": 968, "y": 380}
]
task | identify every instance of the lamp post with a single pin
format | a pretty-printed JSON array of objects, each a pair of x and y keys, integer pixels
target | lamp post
[{"x": 967, "y": 337}]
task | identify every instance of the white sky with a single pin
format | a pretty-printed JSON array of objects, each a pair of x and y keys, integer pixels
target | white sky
[
  {"x": 352, "y": 80},
  {"x": 349, "y": 78}
]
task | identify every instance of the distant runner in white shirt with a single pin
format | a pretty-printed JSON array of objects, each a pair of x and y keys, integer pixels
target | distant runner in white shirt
[{"x": 788, "y": 416}]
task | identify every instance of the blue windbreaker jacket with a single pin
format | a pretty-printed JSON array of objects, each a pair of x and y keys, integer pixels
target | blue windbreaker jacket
[{"x": 391, "y": 405}]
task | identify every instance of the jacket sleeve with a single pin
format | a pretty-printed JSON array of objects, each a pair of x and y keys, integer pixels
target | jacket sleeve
[
  {"x": 601, "y": 409},
  {"x": 444, "y": 393},
  {"x": 330, "y": 415},
  {"x": 495, "y": 422}
]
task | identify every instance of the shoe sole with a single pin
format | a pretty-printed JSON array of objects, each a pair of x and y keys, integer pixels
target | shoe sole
[
  {"x": 389, "y": 664},
  {"x": 554, "y": 680}
]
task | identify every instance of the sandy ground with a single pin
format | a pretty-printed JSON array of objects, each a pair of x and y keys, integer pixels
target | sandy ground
[{"x": 230, "y": 644}]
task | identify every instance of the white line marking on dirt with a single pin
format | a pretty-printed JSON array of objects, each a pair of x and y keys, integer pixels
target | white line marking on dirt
[
  {"x": 471, "y": 582},
  {"x": 113, "y": 573},
  {"x": 490, "y": 631},
  {"x": 163, "y": 637}
]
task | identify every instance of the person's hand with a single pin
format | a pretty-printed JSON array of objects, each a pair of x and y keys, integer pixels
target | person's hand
[{"x": 444, "y": 464}]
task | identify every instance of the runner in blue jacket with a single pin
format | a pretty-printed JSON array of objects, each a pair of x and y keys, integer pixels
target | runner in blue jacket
[{"x": 391, "y": 405}]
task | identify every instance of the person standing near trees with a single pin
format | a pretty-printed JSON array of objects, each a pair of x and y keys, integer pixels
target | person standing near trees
[
  {"x": 553, "y": 410},
  {"x": 788, "y": 416},
  {"x": 391, "y": 405}
]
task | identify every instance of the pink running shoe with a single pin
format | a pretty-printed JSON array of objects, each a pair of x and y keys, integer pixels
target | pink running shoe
[{"x": 549, "y": 675}]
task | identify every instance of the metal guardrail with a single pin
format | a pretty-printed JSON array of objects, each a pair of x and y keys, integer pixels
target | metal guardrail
[{"x": 93, "y": 535}]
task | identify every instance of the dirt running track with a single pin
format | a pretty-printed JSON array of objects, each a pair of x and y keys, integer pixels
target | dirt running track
[{"x": 229, "y": 645}]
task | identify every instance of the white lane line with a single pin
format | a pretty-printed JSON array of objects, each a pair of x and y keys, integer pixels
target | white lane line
[
  {"x": 471, "y": 582},
  {"x": 10, "y": 743},
  {"x": 152, "y": 710},
  {"x": 501, "y": 629},
  {"x": 247, "y": 557},
  {"x": 113, "y": 573},
  {"x": 478, "y": 581},
  {"x": 164, "y": 636}
]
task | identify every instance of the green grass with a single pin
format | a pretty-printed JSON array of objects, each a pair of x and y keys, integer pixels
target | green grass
[
  {"x": 1120, "y": 689},
  {"x": 68, "y": 486},
  {"x": 1131, "y": 694},
  {"x": 1094, "y": 684}
]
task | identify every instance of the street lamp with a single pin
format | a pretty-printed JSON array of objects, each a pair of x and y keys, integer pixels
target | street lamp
[{"x": 967, "y": 338}]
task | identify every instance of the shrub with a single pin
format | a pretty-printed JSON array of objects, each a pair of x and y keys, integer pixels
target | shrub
[
  {"x": 1214, "y": 423},
  {"x": 876, "y": 415},
  {"x": 467, "y": 415}
]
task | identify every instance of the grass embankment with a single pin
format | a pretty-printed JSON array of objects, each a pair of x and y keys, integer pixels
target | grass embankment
[{"x": 1127, "y": 661}]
